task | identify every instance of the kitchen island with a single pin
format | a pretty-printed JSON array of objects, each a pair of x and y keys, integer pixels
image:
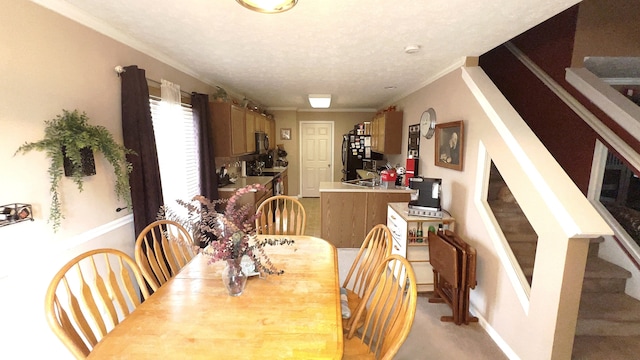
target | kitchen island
[{"x": 348, "y": 212}]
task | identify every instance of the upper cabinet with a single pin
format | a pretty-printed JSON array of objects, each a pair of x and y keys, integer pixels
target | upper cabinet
[
  {"x": 386, "y": 132},
  {"x": 266, "y": 125},
  {"x": 261, "y": 121},
  {"x": 270, "y": 129},
  {"x": 233, "y": 129},
  {"x": 229, "y": 131},
  {"x": 250, "y": 130}
]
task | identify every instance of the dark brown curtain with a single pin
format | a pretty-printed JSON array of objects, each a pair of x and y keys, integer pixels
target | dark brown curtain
[
  {"x": 208, "y": 178},
  {"x": 137, "y": 129}
]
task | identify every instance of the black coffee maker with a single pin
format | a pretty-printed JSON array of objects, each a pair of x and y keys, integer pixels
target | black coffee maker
[
  {"x": 428, "y": 191},
  {"x": 267, "y": 159},
  {"x": 426, "y": 200}
]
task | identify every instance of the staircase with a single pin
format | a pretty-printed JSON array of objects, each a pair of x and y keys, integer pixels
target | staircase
[{"x": 608, "y": 320}]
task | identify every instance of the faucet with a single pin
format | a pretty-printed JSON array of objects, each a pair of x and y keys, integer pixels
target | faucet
[{"x": 374, "y": 178}]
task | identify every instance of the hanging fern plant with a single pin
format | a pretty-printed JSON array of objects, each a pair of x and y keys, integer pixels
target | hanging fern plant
[{"x": 69, "y": 135}]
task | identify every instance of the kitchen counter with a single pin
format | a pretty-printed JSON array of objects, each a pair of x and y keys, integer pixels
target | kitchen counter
[
  {"x": 276, "y": 168},
  {"x": 349, "y": 212},
  {"x": 249, "y": 180},
  {"x": 342, "y": 187}
]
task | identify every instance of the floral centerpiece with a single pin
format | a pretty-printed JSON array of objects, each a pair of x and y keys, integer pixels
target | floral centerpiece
[{"x": 228, "y": 235}]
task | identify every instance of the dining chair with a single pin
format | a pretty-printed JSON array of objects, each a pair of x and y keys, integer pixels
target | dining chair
[
  {"x": 281, "y": 215},
  {"x": 375, "y": 248},
  {"x": 392, "y": 297},
  {"x": 162, "y": 249},
  {"x": 90, "y": 295}
]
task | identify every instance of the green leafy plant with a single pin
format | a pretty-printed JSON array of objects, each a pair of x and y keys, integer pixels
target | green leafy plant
[{"x": 71, "y": 131}]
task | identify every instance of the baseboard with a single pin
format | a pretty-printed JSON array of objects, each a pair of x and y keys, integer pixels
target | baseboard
[{"x": 506, "y": 349}]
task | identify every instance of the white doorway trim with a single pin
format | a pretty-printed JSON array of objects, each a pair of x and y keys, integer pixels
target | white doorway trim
[{"x": 331, "y": 150}]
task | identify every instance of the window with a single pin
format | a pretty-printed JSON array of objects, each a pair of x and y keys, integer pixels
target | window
[{"x": 176, "y": 135}]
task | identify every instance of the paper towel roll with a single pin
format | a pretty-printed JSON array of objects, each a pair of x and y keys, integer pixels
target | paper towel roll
[{"x": 243, "y": 169}]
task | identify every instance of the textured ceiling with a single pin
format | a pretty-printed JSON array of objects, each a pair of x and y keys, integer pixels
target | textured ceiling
[{"x": 351, "y": 49}]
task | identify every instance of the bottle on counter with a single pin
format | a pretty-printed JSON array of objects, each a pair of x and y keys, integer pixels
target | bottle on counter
[{"x": 419, "y": 238}]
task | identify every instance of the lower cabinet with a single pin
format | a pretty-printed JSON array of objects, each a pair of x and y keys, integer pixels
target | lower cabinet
[
  {"x": 285, "y": 182},
  {"x": 410, "y": 240},
  {"x": 252, "y": 198},
  {"x": 347, "y": 217}
]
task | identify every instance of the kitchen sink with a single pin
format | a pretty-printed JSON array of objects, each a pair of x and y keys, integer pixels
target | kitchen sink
[{"x": 363, "y": 183}]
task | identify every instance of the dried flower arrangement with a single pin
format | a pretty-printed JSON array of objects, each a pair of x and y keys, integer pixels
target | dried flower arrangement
[{"x": 227, "y": 235}]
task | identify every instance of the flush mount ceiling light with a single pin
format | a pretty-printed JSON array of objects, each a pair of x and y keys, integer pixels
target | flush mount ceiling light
[
  {"x": 320, "y": 101},
  {"x": 412, "y": 49},
  {"x": 268, "y": 6}
]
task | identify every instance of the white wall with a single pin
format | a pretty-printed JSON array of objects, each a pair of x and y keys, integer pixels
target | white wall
[
  {"x": 24, "y": 328},
  {"x": 49, "y": 63},
  {"x": 508, "y": 307}
]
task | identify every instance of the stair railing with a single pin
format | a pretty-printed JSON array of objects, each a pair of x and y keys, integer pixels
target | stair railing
[{"x": 557, "y": 210}]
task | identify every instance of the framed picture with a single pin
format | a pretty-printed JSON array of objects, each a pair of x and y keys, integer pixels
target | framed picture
[
  {"x": 285, "y": 134},
  {"x": 450, "y": 145}
]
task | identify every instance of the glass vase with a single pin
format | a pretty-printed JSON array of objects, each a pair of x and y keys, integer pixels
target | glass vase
[{"x": 233, "y": 278}]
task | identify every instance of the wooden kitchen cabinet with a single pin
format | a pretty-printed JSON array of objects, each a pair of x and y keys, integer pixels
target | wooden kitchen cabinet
[
  {"x": 270, "y": 129},
  {"x": 347, "y": 217},
  {"x": 228, "y": 129},
  {"x": 261, "y": 196},
  {"x": 343, "y": 218},
  {"x": 254, "y": 199},
  {"x": 407, "y": 243},
  {"x": 377, "y": 206},
  {"x": 261, "y": 121},
  {"x": 386, "y": 132},
  {"x": 250, "y": 130},
  {"x": 285, "y": 181}
]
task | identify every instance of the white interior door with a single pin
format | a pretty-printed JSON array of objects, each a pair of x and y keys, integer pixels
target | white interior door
[{"x": 316, "y": 144}]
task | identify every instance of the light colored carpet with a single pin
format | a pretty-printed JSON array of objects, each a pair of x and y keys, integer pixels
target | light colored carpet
[
  {"x": 429, "y": 338},
  {"x": 432, "y": 339}
]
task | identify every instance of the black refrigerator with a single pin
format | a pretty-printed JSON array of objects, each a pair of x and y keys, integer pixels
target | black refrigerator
[{"x": 355, "y": 148}]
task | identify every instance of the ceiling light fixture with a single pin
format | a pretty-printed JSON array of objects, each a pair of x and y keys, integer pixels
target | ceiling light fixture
[
  {"x": 412, "y": 49},
  {"x": 320, "y": 101},
  {"x": 268, "y": 6}
]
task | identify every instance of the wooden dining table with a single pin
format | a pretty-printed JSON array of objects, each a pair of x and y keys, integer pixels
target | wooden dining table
[{"x": 295, "y": 315}]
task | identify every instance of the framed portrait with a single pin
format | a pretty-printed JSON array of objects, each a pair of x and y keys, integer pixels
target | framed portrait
[
  {"x": 449, "y": 149},
  {"x": 285, "y": 134}
]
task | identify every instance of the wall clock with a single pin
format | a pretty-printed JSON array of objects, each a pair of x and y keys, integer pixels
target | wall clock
[{"x": 428, "y": 123}]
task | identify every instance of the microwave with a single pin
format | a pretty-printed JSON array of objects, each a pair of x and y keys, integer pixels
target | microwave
[{"x": 262, "y": 142}]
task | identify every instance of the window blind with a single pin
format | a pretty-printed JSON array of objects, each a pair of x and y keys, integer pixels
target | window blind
[{"x": 178, "y": 156}]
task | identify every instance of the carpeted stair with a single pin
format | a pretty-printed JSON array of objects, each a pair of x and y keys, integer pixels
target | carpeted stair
[{"x": 608, "y": 320}]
